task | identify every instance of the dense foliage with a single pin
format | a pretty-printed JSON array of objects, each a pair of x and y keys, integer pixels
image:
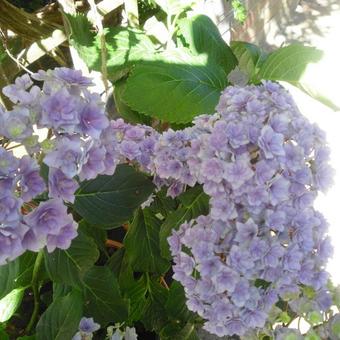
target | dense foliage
[{"x": 189, "y": 205}]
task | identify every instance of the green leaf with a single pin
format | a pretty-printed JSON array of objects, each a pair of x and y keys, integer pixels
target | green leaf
[
  {"x": 10, "y": 303},
  {"x": 116, "y": 261},
  {"x": 142, "y": 243},
  {"x": 136, "y": 294},
  {"x": 177, "y": 331},
  {"x": 203, "y": 37},
  {"x": 240, "y": 12},
  {"x": 154, "y": 314},
  {"x": 195, "y": 194},
  {"x": 61, "y": 319},
  {"x": 163, "y": 204},
  {"x": 4, "y": 335},
  {"x": 17, "y": 273},
  {"x": 249, "y": 57},
  {"x": 194, "y": 203},
  {"x": 8, "y": 275},
  {"x": 103, "y": 297},
  {"x": 134, "y": 290},
  {"x": 60, "y": 290},
  {"x": 300, "y": 65},
  {"x": 124, "y": 46},
  {"x": 98, "y": 235},
  {"x": 81, "y": 29},
  {"x": 111, "y": 200},
  {"x": 123, "y": 109},
  {"x": 175, "y": 92},
  {"x": 69, "y": 266},
  {"x": 26, "y": 264},
  {"x": 289, "y": 63},
  {"x": 176, "y": 303}
]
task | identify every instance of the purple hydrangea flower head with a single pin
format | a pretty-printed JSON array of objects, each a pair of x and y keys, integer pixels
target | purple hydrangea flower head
[{"x": 262, "y": 204}]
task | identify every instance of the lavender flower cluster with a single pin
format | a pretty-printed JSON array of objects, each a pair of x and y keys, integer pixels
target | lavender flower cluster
[
  {"x": 81, "y": 143},
  {"x": 262, "y": 163}
]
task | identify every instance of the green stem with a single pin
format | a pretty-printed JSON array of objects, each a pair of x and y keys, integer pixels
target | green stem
[{"x": 35, "y": 289}]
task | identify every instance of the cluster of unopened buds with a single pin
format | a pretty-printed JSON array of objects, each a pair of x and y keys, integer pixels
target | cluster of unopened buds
[{"x": 260, "y": 161}]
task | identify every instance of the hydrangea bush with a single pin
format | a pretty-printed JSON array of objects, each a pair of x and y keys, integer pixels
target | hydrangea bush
[{"x": 186, "y": 208}]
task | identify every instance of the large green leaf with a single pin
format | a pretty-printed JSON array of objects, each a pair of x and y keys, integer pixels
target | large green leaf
[
  {"x": 68, "y": 266},
  {"x": 203, "y": 37},
  {"x": 61, "y": 319},
  {"x": 17, "y": 273},
  {"x": 289, "y": 63},
  {"x": 10, "y": 303},
  {"x": 111, "y": 200},
  {"x": 124, "y": 46},
  {"x": 103, "y": 297},
  {"x": 142, "y": 243},
  {"x": 175, "y": 92},
  {"x": 302, "y": 66},
  {"x": 249, "y": 57},
  {"x": 194, "y": 203}
]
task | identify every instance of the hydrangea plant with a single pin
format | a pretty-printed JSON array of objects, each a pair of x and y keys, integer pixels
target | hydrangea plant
[{"x": 190, "y": 206}]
